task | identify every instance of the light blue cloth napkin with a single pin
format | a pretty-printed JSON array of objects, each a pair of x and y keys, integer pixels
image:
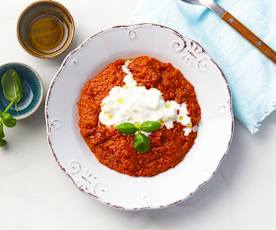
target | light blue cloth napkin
[{"x": 251, "y": 76}]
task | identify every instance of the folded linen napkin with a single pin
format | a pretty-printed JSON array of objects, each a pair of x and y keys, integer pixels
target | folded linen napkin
[{"x": 251, "y": 76}]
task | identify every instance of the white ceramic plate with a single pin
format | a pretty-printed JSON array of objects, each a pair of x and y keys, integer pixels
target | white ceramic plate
[{"x": 119, "y": 190}]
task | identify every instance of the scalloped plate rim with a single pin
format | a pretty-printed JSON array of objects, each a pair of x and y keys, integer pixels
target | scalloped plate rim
[{"x": 48, "y": 129}]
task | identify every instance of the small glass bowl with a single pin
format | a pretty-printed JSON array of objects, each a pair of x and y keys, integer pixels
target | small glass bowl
[{"x": 40, "y": 9}]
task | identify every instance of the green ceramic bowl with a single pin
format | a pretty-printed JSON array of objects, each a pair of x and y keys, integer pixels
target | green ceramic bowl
[{"x": 32, "y": 90}]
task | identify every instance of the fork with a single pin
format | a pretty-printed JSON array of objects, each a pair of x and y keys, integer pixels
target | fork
[{"x": 238, "y": 26}]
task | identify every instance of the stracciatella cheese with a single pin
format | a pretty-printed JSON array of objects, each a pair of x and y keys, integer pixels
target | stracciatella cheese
[{"x": 136, "y": 104}]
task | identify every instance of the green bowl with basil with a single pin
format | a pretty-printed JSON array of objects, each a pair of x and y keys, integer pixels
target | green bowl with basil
[{"x": 32, "y": 89}]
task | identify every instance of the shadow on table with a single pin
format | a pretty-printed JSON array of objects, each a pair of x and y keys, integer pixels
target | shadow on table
[
  {"x": 207, "y": 197},
  {"x": 268, "y": 124},
  {"x": 215, "y": 193}
]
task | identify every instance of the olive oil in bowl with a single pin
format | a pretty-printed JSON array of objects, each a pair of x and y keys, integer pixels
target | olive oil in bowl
[
  {"x": 45, "y": 29},
  {"x": 47, "y": 33}
]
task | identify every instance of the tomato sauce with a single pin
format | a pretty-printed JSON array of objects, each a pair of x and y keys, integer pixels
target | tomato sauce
[{"x": 115, "y": 150}]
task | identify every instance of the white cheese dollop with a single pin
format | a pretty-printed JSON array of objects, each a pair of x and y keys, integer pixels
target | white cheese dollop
[{"x": 136, "y": 104}]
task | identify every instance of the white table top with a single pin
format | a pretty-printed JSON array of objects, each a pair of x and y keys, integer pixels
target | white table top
[{"x": 36, "y": 194}]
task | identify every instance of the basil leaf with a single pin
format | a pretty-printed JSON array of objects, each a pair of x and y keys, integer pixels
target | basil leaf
[
  {"x": 137, "y": 125},
  {"x": 2, "y": 134},
  {"x": 2, "y": 142},
  {"x": 12, "y": 86},
  {"x": 141, "y": 143},
  {"x": 126, "y": 128},
  {"x": 8, "y": 120},
  {"x": 150, "y": 126}
]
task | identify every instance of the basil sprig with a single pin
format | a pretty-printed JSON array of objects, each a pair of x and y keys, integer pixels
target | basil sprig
[
  {"x": 150, "y": 126},
  {"x": 127, "y": 128},
  {"x": 12, "y": 86},
  {"x": 141, "y": 141},
  {"x": 13, "y": 92}
]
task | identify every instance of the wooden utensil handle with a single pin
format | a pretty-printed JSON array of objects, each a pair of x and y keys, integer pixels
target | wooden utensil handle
[{"x": 250, "y": 36}]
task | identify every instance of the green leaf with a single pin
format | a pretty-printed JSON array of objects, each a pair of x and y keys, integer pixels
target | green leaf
[
  {"x": 141, "y": 143},
  {"x": 2, "y": 134},
  {"x": 2, "y": 142},
  {"x": 8, "y": 120},
  {"x": 137, "y": 125},
  {"x": 126, "y": 128},
  {"x": 12, "y": 86},
  {"x": 150, "y": 126}
]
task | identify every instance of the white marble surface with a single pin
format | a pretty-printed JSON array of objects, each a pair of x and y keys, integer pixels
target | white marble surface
[{"x": 35, "y": 193}]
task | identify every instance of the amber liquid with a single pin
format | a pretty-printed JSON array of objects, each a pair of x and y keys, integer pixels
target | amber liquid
[{"x": 47, "y": 33}]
